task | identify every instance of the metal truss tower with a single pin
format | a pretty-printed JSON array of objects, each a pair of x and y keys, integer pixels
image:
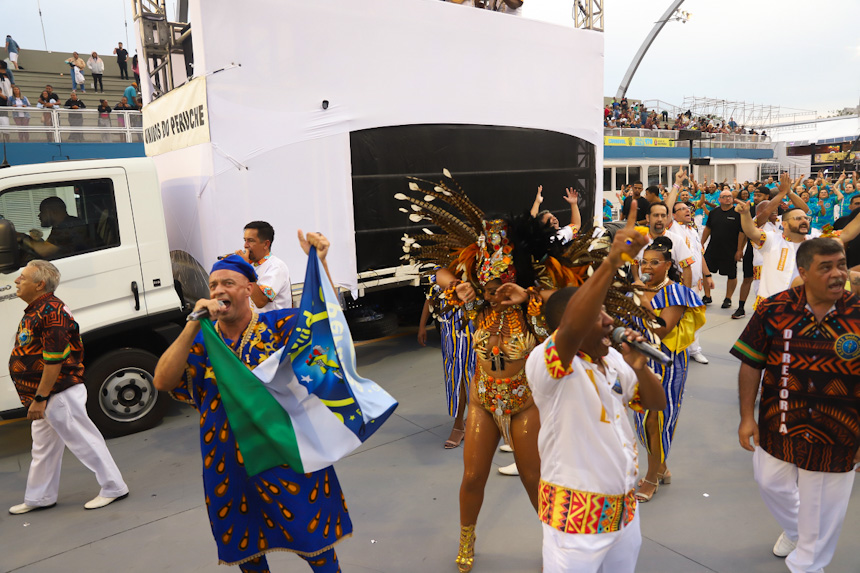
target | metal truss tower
[
  {"x": 161, "y": 43},
  {"x": 588, "y": 14}
]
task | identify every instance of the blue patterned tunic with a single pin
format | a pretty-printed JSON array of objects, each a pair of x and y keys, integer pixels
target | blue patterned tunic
[{"x": 278, "y": 509}]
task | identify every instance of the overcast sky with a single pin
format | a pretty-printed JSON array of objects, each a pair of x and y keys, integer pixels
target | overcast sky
[{"x": 777, "y": 52}]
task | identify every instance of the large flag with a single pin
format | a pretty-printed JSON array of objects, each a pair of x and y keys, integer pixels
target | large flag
[{"x": 305, "y": 406}]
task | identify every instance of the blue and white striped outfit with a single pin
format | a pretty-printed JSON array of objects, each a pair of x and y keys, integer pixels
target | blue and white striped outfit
[
  {"x": 458, "y": 352},
  {"x": 673, "y": 375}
]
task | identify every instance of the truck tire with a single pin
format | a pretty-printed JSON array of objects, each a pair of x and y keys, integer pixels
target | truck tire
[
  {"x": 122, "y": 398},
  {"x": 189, "y": 277},
  {"x": 374, "y": 328}
]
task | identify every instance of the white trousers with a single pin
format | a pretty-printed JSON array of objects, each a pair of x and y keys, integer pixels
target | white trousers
[
  {"x": 66, "y": 424},
  {"x": 614, "y": 552},
  {"x": 810, "y": 507},
  {"x": 695, "y": 347}
]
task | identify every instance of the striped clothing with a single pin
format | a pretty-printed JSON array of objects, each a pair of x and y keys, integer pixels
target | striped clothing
[
  {"x": 458, "y": 355},
  {"x": 673, "y": 375}
]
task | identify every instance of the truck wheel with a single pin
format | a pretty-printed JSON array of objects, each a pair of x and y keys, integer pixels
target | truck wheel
[
  {"x": 370, "y": 328},
  {"x": 122, "y": 398}
]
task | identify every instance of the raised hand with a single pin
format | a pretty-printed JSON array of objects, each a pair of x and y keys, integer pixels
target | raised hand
[
  {"x": 314, "y": 240},
  {"x": 465, "y": 292},
  {"x": 627, "y": 243},
  {"x": 784, "y": 183},
  {"x": 511, "y": 294},
  {"x": 571, "y": 196}
]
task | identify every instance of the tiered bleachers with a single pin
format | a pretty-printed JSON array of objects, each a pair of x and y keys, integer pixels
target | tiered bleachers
[
  {"x": 42, "y": 68},
  {"x": 62, "y": 125}
]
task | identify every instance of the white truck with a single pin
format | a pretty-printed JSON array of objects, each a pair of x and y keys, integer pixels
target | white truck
[{"x": 117, "y": 280}]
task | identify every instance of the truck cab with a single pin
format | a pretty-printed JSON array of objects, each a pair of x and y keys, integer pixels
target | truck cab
[{"x": 110, "y": 246}]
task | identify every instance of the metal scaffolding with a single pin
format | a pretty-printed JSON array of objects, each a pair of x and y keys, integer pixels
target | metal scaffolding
[
  {"x": 745, "y": 113},
  {"x": 588, "y": 14},
  {"x": 161, "y": 44}
]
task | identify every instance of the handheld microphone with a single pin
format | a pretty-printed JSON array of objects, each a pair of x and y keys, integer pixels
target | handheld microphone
[
  {"x": 200, "y": 314},
  {"x": 644, "y": 277},
  {"x": 618, "y": 337}
]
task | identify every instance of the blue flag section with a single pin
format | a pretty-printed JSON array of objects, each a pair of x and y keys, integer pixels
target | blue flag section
[{"x": 323, "y": 358}]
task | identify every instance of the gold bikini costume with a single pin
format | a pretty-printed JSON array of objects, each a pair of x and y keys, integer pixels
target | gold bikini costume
[{"x": 503, "y": 397}]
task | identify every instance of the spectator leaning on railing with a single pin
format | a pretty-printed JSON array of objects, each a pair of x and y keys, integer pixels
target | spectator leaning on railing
[
  {"x": 104, "y": 119},
  {"x": 22, "y": 118},
  {"x": 75, "y": 119},
  {"x": 48, "y": 100},
  {"x": 123, "y": 105}
]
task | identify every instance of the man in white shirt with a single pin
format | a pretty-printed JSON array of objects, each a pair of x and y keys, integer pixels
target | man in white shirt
[
  {"x": 587, "y": 447},
  {"x": 771, "y": 224},
  {"x": 684, "y": 227},
  {"x": 658, "y": 219},
  {"x": 273, "y": 289},
  {"x": 779, "y": 248}
]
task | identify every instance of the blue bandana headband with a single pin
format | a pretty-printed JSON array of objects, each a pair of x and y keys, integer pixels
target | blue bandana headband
[{"x": 237, "y": 264}]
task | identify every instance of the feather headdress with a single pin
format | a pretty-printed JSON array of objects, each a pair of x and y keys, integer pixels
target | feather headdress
[{"x": 539, "y": 259}]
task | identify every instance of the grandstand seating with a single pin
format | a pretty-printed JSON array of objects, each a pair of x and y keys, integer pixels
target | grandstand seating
[{"x": 46, "y": 68}]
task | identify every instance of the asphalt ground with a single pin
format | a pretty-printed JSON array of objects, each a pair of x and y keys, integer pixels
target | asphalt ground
[{"x": 402, "y": 490}]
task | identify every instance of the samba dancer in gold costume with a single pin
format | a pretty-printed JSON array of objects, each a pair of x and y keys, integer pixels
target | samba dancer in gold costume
[{"x": 489, "y": 270}]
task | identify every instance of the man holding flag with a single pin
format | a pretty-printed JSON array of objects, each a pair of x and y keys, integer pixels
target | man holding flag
[{"x": 267, "y": 439}]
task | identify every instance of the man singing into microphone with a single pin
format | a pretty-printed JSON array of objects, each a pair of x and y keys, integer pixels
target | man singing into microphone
[
  {"x": 581, "y": 386},
  {"x": 278, "y": 509}
]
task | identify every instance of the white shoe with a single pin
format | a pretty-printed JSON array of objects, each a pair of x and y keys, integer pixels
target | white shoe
[
  {"x": 783, "y": 545},
  {"x": 506, "y": 448},
  {"x": 510, "y": 470},
  {"x": 699, "y": 357},
  {"x": 99, "y": 501},
  {"x": 24, "y": 508}
]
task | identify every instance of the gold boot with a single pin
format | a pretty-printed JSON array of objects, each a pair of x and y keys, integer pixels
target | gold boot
[{"x": 466, "y": 555}]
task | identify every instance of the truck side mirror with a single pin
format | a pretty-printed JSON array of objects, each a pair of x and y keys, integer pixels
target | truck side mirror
[{"x": 8, "y": 247}]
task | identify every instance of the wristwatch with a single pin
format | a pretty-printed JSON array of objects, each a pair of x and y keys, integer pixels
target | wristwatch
[{"x": 39, "y": 398}]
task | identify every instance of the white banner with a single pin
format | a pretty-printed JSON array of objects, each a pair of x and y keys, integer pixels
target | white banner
[{"x": 177, "y": 120}]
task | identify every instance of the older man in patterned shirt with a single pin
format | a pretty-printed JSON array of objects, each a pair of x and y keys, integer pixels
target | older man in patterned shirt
[
  {"x": 47, "y": 368},
  {"x": 801, "y": 346}
]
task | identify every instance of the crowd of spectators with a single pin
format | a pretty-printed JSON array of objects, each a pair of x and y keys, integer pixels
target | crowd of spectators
[
  {"x": 11, "y": 95},
  {"x": 623, "y": 114},
  {"x": 824, "y": 199}
]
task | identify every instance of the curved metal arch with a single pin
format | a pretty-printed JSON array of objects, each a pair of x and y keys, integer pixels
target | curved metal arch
[{"x": 643, "y": 49}]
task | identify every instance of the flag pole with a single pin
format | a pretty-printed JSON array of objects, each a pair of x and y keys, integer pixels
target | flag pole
[{"x": 42, "y": 21}]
